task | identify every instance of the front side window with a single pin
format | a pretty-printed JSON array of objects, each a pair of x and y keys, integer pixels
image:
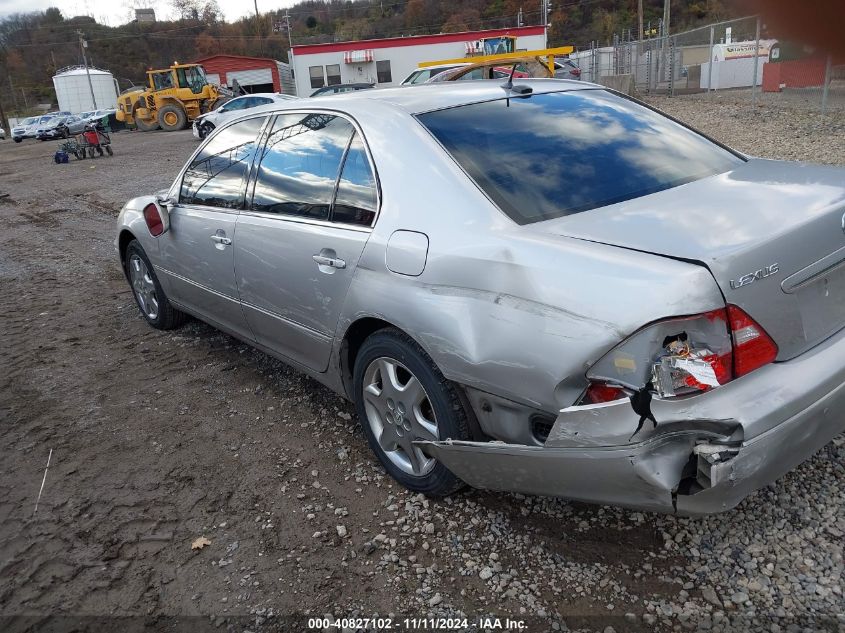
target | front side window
[
  {"x": 316, "y": 74},
  {"x": 383, "y": 71},
  {"x": 216, "y": 176},
  {"x": 356, "y": 200},
  {"x": 300, "y": 164},
  {"x": 548, "y": 155},
  {"x": 333, "y": 74}
]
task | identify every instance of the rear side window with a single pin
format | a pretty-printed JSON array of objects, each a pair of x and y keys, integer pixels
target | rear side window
[
  {"x": 549, "y": 155},
  {"x": 300, "y": 165},
  {"x": 216, "y": 176},
  {"x": 356, "y": 200}
]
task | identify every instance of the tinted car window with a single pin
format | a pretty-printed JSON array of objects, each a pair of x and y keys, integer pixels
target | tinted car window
[
  {"x": 216, "y": 176},
  {"x": 548, "y": 155},
  {"x": 235, "y": 104},
  {"x": 356, "y": 199},
  {"x": 300, "y": 164}
]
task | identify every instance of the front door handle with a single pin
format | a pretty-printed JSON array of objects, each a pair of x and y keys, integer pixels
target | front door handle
[
  {"x": 334, "y": 262},
  {"x": 221, "y": 239}
]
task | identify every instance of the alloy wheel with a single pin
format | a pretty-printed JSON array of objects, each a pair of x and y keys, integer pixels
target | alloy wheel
[
  {"x": 399, "y": 412},
  {"x": 143, "y": 286}
]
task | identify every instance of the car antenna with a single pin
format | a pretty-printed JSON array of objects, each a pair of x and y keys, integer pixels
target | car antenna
[{"x": 508, "y": 85}]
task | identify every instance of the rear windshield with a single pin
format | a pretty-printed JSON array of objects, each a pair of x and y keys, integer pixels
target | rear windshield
[{"x": 548, "y": 155}]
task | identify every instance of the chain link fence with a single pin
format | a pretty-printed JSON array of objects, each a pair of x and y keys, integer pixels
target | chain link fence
[{"x": 737, "y": 59}]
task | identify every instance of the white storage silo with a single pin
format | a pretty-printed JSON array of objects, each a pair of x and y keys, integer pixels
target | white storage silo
[{"x": 74, "y": 93}]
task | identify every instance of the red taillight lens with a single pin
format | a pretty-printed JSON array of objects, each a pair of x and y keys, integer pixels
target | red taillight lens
[
  {"x": 598, "y": 392},
  {"x": 576, "y": 72},
  {"x": 753, "y": 347},
  {"x": 153, "y": 219}
]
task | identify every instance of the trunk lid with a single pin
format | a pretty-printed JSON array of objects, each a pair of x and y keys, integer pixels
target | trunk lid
[{"x": 772, "y": 234}]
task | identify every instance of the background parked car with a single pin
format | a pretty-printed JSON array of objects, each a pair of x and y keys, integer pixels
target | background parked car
[
  {"x": 2, "y": 134},
  {"x": 204, "y": 124},
  {"x": 60, "y": 127},
  {"x": 525, "y": 67},
  {"x": 29, "y": 126},
  {"x": 567, "y": 69},
  {"x": 422, "y": 75},
  {"x": 340, "y": 88}
]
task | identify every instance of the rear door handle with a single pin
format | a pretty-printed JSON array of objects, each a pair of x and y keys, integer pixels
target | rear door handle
[
  {"x": 221, "y": 239},
  {"x": 334, "y": 262}
]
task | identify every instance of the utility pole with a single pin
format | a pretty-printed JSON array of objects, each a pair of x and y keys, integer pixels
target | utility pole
[
  {"x": 640, "y": 17},
  {"x": 258, "y": 29},
  {"x": 82, "y": 46},
  {"x": 287, "y": 24}
]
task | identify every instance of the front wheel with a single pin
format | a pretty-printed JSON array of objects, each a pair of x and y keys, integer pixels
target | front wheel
[
  {"x": 171, "y": 118},
  {"x": 149, "y": 295},
  {"x": 401, "y": 397},
  {"x": 205, "y": 129},
  {"x": 109, "y": 150}
]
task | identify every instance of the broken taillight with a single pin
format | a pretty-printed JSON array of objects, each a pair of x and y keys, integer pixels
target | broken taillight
[
  {"x": 152, "y": 217},
  {"x": 682, "y": 356},
  {"x": 599, "y": 392}
]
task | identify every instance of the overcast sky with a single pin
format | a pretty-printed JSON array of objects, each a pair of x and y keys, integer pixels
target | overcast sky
[{"x": 114, "y": 12}]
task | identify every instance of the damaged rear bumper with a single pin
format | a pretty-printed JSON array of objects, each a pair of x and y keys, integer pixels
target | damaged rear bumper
[{"x": 705, "y": 455}]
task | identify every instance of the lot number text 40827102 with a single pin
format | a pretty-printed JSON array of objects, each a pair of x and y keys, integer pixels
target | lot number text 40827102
[{"x": 377, "y": 624}]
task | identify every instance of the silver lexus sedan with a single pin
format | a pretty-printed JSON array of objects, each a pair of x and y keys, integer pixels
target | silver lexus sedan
[{"x": 544, "y": 287}]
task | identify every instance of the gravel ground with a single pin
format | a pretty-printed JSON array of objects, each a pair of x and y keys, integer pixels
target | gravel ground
[{"x": 161, "y": 438}]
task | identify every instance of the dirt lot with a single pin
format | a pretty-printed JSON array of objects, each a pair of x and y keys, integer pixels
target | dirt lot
[{"x": 160, "y": 438}]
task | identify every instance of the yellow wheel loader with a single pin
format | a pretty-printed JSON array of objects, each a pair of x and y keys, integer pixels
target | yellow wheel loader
[{"x": 172, "y": 98}]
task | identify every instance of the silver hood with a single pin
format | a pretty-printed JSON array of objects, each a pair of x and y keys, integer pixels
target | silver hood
[{"x": 772, "y": 234}]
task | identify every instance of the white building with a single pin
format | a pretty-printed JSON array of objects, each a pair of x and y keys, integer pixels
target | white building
[
  {"x": 388, "y": 61},
  {"x": 733, "y": 65},
  {"x": 73, "y": 92}
]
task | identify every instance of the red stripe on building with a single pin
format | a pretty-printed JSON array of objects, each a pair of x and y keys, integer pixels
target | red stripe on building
[{"x": 414, "y": 40}]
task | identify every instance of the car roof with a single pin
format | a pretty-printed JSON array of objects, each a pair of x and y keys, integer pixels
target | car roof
[
  {"x": 415, "y": 99},
  {"x": 427, "y": 97}
]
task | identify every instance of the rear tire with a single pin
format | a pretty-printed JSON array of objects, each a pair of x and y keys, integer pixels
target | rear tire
[
  {"x": 145, "y": 126},
  {"x": 151, "y": 300},
  {"x": 171, "y": 118},
  {"x": 109, "y": 150},
  {"x": 400, "y": 395}
]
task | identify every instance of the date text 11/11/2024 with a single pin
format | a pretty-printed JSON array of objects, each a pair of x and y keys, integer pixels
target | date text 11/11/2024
[{"x": 417, "y": 624}]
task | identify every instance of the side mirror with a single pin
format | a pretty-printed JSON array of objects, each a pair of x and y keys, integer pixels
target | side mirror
[
  {"x": 166, "y": 201},
  {"x": 157, "y": 217}
]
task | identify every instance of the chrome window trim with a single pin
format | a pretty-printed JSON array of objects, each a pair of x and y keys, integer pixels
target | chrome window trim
[{"x": 303, "y": 220}]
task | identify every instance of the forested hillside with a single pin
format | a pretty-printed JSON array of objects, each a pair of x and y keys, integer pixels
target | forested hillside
[{"x": 33, "y": 46}]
